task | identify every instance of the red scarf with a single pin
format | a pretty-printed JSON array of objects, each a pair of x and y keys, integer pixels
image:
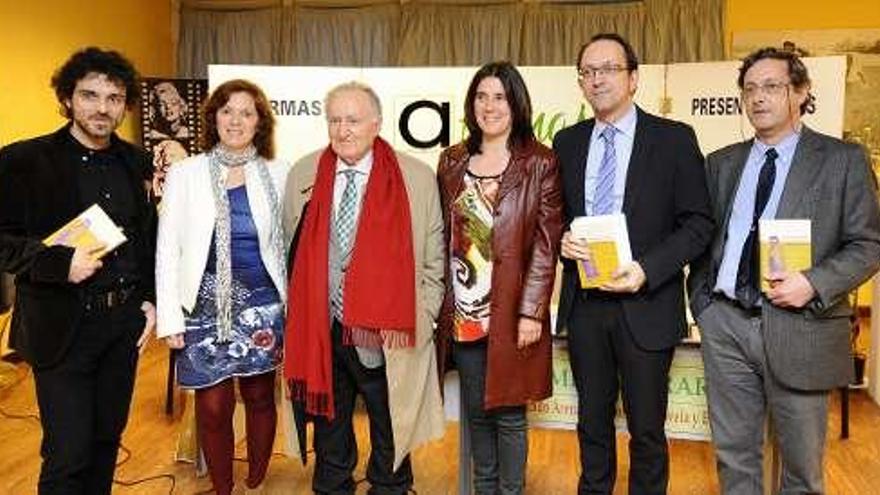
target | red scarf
[{"x": 379, "y": 282}]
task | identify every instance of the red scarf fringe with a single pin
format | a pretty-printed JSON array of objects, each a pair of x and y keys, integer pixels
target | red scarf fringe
[
  {"x": 379, "y": 282},
  {"x": 376, "y": 339}
]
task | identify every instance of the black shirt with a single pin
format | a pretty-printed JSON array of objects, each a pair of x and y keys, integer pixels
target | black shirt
[{"x": 104, "y": 180}]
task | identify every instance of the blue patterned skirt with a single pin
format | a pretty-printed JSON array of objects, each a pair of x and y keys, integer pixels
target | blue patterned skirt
[{"x": 255, "y": 345}]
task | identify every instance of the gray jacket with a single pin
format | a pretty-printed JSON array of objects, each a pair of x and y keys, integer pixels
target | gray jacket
[{"x": 830, "y": 183}]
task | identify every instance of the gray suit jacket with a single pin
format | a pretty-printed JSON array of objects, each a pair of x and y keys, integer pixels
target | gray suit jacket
[{"x": 830, "y": 183}]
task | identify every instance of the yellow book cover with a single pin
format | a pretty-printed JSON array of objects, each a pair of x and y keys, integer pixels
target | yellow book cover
[
  {"x": 785, "y": 246},
  {"x": 92, "y": 226},
  {"x": 597, "y": 270},
  {"x": 608, "y": 243}
]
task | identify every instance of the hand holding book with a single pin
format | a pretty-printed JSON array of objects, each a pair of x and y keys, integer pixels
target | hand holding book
[
  {"x": 92, "y": 234},
  {"x": 785, "y": 252},
  {"x": 785, "y": 246},
  {"x": 90, "y": 229},
  {"x": 790, "y": 290},
  {"x": 600, "y": 245},
  {"x": 85, "y": 262},
  {"x": 627, "y": 278}
]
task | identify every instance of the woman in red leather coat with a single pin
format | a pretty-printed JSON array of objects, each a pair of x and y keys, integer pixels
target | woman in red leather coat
[{"x": 501, "y": 200}]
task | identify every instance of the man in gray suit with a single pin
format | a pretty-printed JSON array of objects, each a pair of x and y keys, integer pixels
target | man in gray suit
[{"x": 781, "y": 350}]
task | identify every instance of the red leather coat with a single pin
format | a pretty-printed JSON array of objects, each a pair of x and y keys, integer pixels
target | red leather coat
[{"x": 526, "y": 234}]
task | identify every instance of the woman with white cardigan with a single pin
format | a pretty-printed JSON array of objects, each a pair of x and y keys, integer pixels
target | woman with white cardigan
[{"x": 220, "y": 277}]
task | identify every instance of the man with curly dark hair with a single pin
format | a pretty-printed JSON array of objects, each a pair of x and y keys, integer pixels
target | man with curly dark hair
[{"x": 81, "y": 313}]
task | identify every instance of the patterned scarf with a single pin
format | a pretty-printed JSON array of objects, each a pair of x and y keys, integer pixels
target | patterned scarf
[
  {"x": 379, "y": 283},
  {"x": 218, "y": 158}
]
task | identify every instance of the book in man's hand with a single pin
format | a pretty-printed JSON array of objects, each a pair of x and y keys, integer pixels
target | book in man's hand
[
  {"x": 785, "y": 246},
  {"x": 608, "y": 244},
  {"x": 91, "y": 227}
]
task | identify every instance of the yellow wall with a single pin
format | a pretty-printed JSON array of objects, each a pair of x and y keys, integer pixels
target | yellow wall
[
  {"x": 37, "y": 36},
  {"x": 748, "y": 15}
]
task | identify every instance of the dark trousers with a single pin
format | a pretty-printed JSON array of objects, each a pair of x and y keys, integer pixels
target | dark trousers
[
  {"x": 335, "y": 444},
  {"x": 499, "y": 437},
  {"x": 84, "y": 402},
  {"x": 215, "y": 406},
  {"x": 605, "y": 360}
]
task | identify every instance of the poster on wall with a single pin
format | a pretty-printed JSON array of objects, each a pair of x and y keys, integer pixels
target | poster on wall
[
  {"x": 171, "y": 122},
  {"x": 687, "y": 413}
]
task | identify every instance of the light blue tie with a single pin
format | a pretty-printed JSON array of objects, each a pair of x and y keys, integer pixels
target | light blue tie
[
  {"x": 344, "y": 229},
  {"x": 603, "y": 199}
]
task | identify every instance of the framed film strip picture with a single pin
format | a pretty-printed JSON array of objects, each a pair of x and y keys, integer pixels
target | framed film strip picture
[{"x": 171, "y": 123}]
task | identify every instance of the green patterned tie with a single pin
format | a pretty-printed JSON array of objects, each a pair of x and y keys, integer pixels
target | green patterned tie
[{"x": 344, "y": 227}]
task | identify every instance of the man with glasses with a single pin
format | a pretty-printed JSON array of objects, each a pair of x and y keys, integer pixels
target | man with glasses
[
  {"x": 621, "y": 336},
  {"x": 781, "y": 350}
]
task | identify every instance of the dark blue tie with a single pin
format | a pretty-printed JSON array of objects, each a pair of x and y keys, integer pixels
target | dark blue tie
[{"x": 747, "y": 283}]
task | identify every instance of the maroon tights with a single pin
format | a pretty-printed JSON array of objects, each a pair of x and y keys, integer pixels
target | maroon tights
[{"x": 214, "y": 408}]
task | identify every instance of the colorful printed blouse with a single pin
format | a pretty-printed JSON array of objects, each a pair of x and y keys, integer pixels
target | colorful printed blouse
[{"x": 471, "y": 256}]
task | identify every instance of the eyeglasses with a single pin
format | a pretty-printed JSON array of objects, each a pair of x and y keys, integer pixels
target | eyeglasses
[
  {"x": 772, "y": 89},
  {"x": 587, "y": 73}
]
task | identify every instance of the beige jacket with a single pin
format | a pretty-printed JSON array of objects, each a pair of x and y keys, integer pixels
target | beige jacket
[{"x": 413, "y": 387}]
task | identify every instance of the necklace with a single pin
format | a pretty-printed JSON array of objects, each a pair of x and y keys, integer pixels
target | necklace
[{"x": 504, "y": 159}]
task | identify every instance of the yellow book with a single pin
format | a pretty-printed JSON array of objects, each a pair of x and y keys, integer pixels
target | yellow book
[
  {"x": 608, "y": 242},
  {"x": 785, "y": 246},
  {"x": 92, "y": 226}
]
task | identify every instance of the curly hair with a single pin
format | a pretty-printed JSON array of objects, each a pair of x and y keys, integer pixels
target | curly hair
[
  {"x": 110, "y": 63},
  {"x": 797, "y": 71},
  {"x": 264, "y": 137}
]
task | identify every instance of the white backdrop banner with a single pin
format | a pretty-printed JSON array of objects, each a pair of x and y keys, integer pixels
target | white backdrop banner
[
  {"x": 706, "y": 97},
  {"x": 423, "y": 112},
  {"x": 423, "y": 108}
]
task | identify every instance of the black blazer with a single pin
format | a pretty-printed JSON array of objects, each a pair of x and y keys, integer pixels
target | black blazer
[
  {"x": 669, "y": 220},
  {"x": 38, "y": 194}
]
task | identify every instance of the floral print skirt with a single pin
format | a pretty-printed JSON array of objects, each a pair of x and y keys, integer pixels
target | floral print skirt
[{"x": 254, "y": 347}]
